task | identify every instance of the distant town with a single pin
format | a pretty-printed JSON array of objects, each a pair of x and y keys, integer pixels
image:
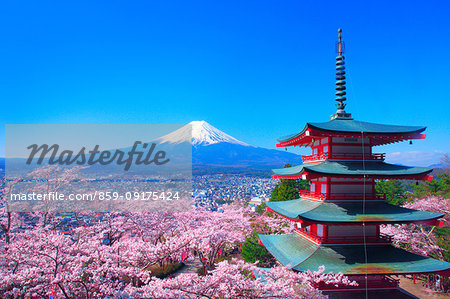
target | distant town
[{"x": 211, "y": 191}]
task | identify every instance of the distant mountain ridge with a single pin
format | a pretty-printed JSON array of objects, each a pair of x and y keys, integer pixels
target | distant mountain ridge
[{"x": 215, "y": 151}]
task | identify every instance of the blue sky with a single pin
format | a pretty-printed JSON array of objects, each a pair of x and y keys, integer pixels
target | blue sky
[{"x": 254, "y": 69}]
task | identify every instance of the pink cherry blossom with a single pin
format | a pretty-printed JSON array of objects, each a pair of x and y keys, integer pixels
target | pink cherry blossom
[
  {"x": 110, "y": 254},
  {"x": 419, "y": 238}
]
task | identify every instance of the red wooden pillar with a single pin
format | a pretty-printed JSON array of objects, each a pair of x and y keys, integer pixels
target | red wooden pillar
[
  {"x": 330, "y": 146},
  {"x": 328, "y": 187}
]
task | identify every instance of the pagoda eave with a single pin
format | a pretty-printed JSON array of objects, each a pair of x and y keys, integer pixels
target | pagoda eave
[
  {"x": 354, "y": 169},
  {"x": 348, "y": 213},
  {"x": 313, "y": 175},
  {"x": 309, "y": 221},
  {"x": 377, "y": 133},
  {"x": 368, "y": 220},
  {"x": 301, "y": 254}
]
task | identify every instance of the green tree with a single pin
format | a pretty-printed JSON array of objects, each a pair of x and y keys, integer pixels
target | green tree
[
  {"x": 261, "y": 208},
  {"x": 443, "y": 235},
  {"x": 439, "y": 186},
  {"x": 252, "y": 251},
  {"x": 288, "y": 189},
  {"x": 394, "y": 190}
]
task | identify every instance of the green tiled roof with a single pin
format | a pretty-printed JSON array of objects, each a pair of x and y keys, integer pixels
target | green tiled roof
[
  {"x": 300, "y": 254},
  {"x": 289, "y": 249},
  {"x": 353, "y": 169},
  {"x": 355, "y": 126},
  {"x": 349, "y": 212}
]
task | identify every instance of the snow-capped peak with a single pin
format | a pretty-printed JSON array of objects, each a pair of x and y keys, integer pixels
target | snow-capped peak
[{"x": 202, "y": 133}]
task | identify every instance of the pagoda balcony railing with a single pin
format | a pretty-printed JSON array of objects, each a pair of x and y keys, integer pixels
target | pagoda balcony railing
[
  {"x": 312, "y": 195},
  {"x": 371, "y": 281},
  {"x": 309, "y": 236},
  {"x": 341, "y": 196},
  {"x": 381, "y": 239},
  {"x": 354, "y": 240},
  {"x": 343, "y": 156}
]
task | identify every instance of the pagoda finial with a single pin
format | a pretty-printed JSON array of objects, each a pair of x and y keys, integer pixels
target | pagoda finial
[
  {"x": 340, "y": 47},
  {"x": 340, "y": 81}
]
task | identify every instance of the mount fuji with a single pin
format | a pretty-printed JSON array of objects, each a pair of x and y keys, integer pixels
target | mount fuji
[
  {"x": 216, "y": 151},
  {"x": 202, "y": 134}
]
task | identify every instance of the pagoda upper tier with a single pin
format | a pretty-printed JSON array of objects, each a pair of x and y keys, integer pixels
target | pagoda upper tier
[
  {"x": 377, "y": 134},
  {"x": 300, "y": 254},
  {"x": 354, "y": 212},
  {"x": 368, "y": 169}
]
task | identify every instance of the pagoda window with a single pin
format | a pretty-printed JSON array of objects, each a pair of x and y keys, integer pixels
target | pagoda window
[
  {"x": 325, "y": 149},
  {"x": 319, "y": 230},
  {"x": 350, "y": 140},
  {"x": 346, "y": 181},
  {"x": 351, "y": 188},
  {"x": 313, "y": 187},
  {"x": 351, "y": 149},
  {"x": 351, "y": 231},
  {"x": 323, "y": 188}
]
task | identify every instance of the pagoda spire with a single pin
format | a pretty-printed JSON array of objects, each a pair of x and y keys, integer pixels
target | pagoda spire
[{"x": 340, "y": 81}]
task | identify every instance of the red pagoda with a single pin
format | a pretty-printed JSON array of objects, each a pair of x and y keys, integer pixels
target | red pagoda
[{"x": 338, "y": 219}]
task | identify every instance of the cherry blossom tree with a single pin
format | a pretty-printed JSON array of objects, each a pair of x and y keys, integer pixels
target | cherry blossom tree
[
  {"x": 273, "y": 224},
  {"x": 432, "y": 204},
  {"x": 212, "y": 233},
  {"x": 238, "y": 279},
  {"x": 110, "y": 254},
  {"x": 420, "y": 238},
  {"x": 79, "y": 265}
]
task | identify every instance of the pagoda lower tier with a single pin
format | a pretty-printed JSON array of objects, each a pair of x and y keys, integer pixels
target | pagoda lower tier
[{"x": 300, "y": 254}]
